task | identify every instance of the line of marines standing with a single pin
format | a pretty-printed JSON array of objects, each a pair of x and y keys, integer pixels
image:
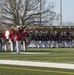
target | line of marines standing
[
  {"x": 49, "y": 39},
  {"x": 36, "y": 39}
]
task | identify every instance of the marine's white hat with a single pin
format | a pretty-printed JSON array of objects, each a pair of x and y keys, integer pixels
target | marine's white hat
[
  {"x": 18, "y": 26},
  {"x": 12, "y": 27}
]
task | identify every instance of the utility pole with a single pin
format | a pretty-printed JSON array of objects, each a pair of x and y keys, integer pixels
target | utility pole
[{"x": 60, "y": 12}]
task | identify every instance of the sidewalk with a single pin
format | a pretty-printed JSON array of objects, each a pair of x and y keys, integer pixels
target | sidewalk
[{"x": 37, "y": 64}]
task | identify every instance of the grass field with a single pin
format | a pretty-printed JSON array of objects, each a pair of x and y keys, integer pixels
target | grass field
[
  {"x": 20, "y": 70},
  {"x": 59, "y": 55}
]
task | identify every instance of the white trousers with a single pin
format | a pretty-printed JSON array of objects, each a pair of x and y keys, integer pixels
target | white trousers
[
  {"x": 70, "y": 43},
  {"x": 43, "y": 45},
  {"x": 32, "y": 44},
  {"x": 67, "y": 44},
  {"x": 40, "y": 44},
  {"x": 63, "y": 43},
  {"x": 46, "y": 44},
  {"x": 37, "y": 44},
  {"x": 73, "y": 43},
  {"x": 51, "y": 43},
  {"x": 18, "y": 46},
  {"x": 6, "y": 45},
  {"x": 12, "y": 46},
  {"x": 55, "y": 44},
  {"x": 25, "y": 46}
]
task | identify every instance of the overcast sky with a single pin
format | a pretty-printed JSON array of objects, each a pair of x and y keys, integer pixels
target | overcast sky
[{"x": 67, "y": 9}]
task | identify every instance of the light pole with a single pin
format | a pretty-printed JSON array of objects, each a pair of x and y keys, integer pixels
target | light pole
[
  {"x": 60, "y": 12},
  {"x": 40, "y": 11}
]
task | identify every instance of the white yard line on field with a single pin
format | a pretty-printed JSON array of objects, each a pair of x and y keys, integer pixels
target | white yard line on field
[
  {"x": 37, "y": 64},
  {"x": 30, "y": 53}
]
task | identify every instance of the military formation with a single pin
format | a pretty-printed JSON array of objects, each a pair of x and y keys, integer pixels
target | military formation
[
  {"x": 52, "y": 40},
  {"x": 43, "y": 39},
  {"x": 13, "y": 37}
]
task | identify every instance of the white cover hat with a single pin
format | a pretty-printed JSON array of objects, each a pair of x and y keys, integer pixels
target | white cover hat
[
  {"x": 18, "y": 26},
  {"x": 12, "y": 27}
]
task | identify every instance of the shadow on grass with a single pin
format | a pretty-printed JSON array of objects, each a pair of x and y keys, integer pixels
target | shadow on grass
[
  {"x": 47, "y": 50},
  {"x": 50, "y": 50}
]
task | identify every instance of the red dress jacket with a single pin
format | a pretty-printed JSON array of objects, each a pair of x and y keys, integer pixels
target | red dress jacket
[
  {"x": 18, "y": 35},
  {"x": 24, "y": 35},
  {"x": 12, "y": 35}
]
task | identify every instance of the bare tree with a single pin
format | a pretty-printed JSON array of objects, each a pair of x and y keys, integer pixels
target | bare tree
[
  {"x": 17, "y": 12},
  {"x": 21, "y": 12}
]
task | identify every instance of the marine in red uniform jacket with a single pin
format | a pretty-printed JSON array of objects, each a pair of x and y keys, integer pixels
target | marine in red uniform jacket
[
  {"x": 12, "y": 35},
  {"x": 24, "y": 35},
  {"x": 18, "y": 33}
]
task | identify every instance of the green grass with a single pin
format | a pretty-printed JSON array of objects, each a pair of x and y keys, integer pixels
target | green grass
[
  {"x": 24, "y": 70},
  {"x": 60, "y": 55}
]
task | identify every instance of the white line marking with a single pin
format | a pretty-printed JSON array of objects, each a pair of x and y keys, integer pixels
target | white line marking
[
  {"x": 37, "y": 64},
  {"x": 29, "y": 53}
]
